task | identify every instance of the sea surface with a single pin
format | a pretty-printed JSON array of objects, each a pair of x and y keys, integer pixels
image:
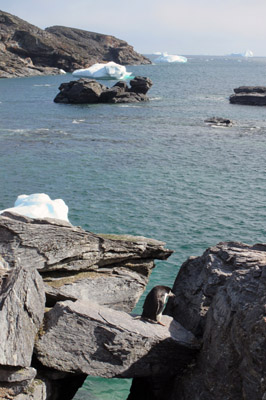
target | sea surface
[{"x": 154, "y": 169}]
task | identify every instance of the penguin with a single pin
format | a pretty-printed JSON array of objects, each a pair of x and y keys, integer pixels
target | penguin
[{"x": 154, "y": 303}]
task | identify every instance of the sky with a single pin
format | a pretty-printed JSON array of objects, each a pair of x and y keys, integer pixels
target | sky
[{"x": 183, "y": 27}]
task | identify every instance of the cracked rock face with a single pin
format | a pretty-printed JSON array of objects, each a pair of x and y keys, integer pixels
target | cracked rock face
[
  {"x": 221, "y": 297},
  {"x": 22, "y": 301}
]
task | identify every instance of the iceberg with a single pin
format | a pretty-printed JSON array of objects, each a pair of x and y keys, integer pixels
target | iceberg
[
  {"x": 170, "y": 58},
  {"x": 39, "y": 205},
  {"x": 110, "y": 70},
  {"x": 248, "y": 53}
]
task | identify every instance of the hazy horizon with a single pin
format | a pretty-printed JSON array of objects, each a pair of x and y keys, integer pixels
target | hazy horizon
[{"x": 191, "y": 27}]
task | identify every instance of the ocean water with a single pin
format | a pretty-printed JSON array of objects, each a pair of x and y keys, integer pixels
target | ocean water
[{"x": 154, "y": 169}]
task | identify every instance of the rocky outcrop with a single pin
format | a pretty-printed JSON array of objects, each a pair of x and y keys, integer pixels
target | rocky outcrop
[
  {"x": 89, "y": 91},
  {"x": 249, "y": 95},
  {"x": 53, "y": 259},
  {"x": 213, "y": 344},
  {"x": 83, "y": 337},
  {"x": 221, "y": 298},
  {"x": 27, "y": 50},
  {"x": 74, "y": 262}
]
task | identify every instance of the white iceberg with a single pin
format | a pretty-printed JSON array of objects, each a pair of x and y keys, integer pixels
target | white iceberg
[
  {"x": 248, "y": 53},
  {"x": 170, "y": 58},
  {"x": 39, "y": 205},
  {"x": 110, "y": 70}
]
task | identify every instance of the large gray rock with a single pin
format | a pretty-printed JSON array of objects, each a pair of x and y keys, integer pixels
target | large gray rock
[
  {"x": 79, "y": 264},
  {"x": 81, "y": 92},
  {"x": 22, "y": 301},
  {"x": 83, "y": 337},
  {"x": 221, "y": 296}
]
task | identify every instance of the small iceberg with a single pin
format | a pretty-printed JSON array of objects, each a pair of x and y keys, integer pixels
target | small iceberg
[
  {"x": 39, "y": 205},
  {"x": 168, "y": 58},
  {"x": 110, "y": 70},
  {"x": 248, "y": 53}
]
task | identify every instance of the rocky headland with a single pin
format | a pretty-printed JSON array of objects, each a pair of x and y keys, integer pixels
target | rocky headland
[
  {"x": 27, "y": 50},
  {"x": 89, "y": 91},
  {"x": 65, "y": 301},
  {"x": 249, "y": 95}
]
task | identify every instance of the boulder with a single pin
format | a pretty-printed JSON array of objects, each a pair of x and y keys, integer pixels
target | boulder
[
  {"x": 84, "y": 337},
  {"x": 90, "y": 91},
  {"x": 140, "y": 84},
  {"x": 22, "y": 301},
  {"x": 221, "y": 298},
  {"x": 249, "y": 95},
  {"x": 79, "y": 264},
  {"x": 80, "y": 92}
]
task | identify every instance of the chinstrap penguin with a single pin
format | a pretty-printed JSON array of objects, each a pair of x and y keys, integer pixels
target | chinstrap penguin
[{"x": 154, "y": 303}]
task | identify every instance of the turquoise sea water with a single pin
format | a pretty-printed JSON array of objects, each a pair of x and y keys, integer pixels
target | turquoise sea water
[{"x": 154, "y": 169}]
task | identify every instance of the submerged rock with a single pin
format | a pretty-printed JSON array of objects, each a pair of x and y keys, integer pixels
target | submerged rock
[
  {"x": 89, "y": 91},
  {"x": 218, "y": 121},
  {"x": 249, "y": 95}
]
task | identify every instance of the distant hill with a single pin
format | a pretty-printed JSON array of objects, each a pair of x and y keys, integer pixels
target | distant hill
[{"x": 27, "y": 50}]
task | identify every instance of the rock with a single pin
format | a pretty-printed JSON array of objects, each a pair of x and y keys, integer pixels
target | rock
[
  {"x": 79, "y": 264},
  {"x": 83, "y": 337},
  {"x": 218, "y": 121},
  {"x": 220, "y": 296},
  {"x": 121, "y": 287},
  {"x": 140, "y": 84},
  {"x": 249, "y": 95},
  {"x": 90, "y": 91},
  {"x": 27, "y": 50},
  {"x": 250, "y": 89},
  {"x": 80, "y": 92},
  {"x": 22, "y": 301}
]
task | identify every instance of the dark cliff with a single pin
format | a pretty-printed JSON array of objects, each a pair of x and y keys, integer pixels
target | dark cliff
[{"x": 27, "y": 50}]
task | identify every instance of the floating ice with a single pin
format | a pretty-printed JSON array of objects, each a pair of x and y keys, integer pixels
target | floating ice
[
  {"x": 168, "y": 58},
  {"x": 39, "y": 205},
  {"x": 248, "y": 53},
  {"x": 110, "y": 70}
]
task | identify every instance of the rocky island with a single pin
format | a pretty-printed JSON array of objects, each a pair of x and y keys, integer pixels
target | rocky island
[
  {"x": 249, "y": 95},
  {"x": 65, "y": 301},
  {"x": 89, "y": 91},
  {"x": 26, "y": 50}
]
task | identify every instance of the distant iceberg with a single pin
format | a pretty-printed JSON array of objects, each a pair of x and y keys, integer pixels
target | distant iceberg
[
  {"x": 39, "y": 205},
  {"x": 110, "y": 70},
  {"x": 248, "y": 53},
  {"x": 168, "y": 58}
]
